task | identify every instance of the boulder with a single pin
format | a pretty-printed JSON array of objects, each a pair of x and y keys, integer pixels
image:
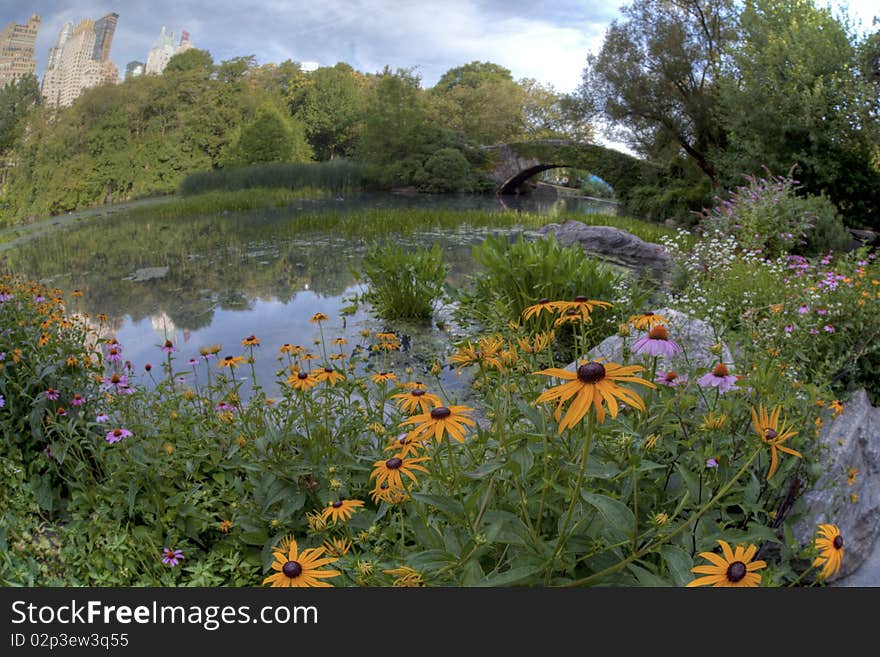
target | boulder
[
  {"x": 851, "y": 440},
  {"x": 613, "y": 244},
  {"x": 694, "y": 336}
]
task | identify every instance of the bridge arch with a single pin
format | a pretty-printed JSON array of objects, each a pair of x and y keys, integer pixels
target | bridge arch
[{"x": 513, "y": 164}]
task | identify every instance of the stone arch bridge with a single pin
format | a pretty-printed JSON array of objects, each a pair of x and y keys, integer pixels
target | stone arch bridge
[{"x": 513, "y": 164}]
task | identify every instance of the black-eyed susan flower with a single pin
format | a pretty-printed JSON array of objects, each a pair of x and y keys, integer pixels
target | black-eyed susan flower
[
  {"x": 773, "y": 433},
  {"x": 317, "y": 318},
  {"x": 730, "y": 568},
  {"x": 406, "y": 444},
  {"x": 416, "y": 399},
  {"x": 383, "y": 377},
  {"x": 291, "y": 349},
  {"x": 337, "y": 547},
  {"x": 713, "y": 421},
  {"x": 571, "y": 316},
  {"x": 302, "y": 381},
  {"x": 341, "y": 510},
  {"x": 593, "y": 384},
  {"x": 210, "y": 350},
  {"x": 251, "y": 341},
  {"x": 836, "y": 406},
  {"x": 542, "y": 305},
  {"x": 538, "y": 343},
  {"x": 224, "y": 526},
  {"x": 393, "y": 469},
  {"x": 230, "y": 361},
  {"x": 389, "y": 494},
  {"x": 330, "y": 375},
  {"x": 851, "y": 475},
  {"x": 441, "y": 420},
  {"x": 830, "y": 546},
  {"x": 647, "y": 321},
  {"x": 300, "y": 569},
  {"x": 582, "y": 305},
  {"x": 340, "y": 342}
]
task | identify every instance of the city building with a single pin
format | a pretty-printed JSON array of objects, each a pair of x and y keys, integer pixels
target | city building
[
  {"x": 134, "y": 69},
  {"x": 80, "y": 60},
  {"x": 164, "y": 49},
  {"x": 17, "y": 50}
]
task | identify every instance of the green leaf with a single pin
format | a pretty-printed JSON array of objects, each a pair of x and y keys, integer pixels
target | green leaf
[
  {"x": 485, "y": 470},
  {"x": 513, "y": 576},
  {"x": 617, "y": 515},
  {"x": 448, "y": 505},
  {"x": 599, "y": 470},
  {"x": 679, "y": 564},
  {"x": 646, "y": 577},
  {"x": 523, "y": 456}
]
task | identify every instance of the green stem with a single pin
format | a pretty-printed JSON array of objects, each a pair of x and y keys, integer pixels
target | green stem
[
  {"x": 665, "y": 539},
  {"x": 635, "y": 486}
]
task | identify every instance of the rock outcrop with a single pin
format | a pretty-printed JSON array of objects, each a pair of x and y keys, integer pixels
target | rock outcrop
[{"x": 612, "y": 244}]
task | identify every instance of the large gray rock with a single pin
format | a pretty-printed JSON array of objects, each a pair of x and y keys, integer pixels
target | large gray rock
[
  {"x": 694, "y": 336},
  {"x": 612, "y": 244},
  {"x": 851, "y": 440}
]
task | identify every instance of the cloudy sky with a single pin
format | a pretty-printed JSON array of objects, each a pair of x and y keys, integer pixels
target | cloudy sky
[{"x": 543, "y": 39}]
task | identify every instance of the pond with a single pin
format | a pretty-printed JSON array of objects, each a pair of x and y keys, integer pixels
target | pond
[{"x": 208, "y": 280}]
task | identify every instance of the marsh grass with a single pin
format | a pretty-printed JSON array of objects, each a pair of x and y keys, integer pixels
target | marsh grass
[{"x": 336, "y": 177}]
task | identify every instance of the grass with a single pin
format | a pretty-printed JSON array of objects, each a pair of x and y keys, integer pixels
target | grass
[
  {"x": 337, "y": 176},
  {"x": 226, "y": 201}
]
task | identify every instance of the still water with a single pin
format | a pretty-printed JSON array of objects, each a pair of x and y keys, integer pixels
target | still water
[{"x": 206, "y": 280}]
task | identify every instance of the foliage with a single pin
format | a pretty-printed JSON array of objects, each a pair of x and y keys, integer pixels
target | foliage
[
  {"x": 796, "y": 96},
  {"x": 270, "y": 137},
  {"x": 193, "y": 60},
  {"x": 339, "y": 176},
  {"x": 17, "y": 98},
  {"x": 331, "y": 108},
  {"x": 404, "y": 284}
]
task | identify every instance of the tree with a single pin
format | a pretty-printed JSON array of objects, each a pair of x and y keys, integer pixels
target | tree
[
  {"x": 270, "y": 137},
  {"x": 17, "y": 98},
  {"x": 236, "y": 69},
  {"x": 797, "y": 95},
  {"x": 332, "y": 110},
  {"x": 395, "y": 117},
  {"x": 655, "y": 77},
  {"x": 193, "y": 59},
  {"x": 472, "y": 75},
  {"x": 548, "y": 114}
]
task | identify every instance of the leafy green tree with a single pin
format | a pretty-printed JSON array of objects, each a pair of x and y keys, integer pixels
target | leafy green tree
[
  {"x": 269, "y": 137},
  {"x": 286, "y": 80},
  {"x": 332, "y": 111},
  {"x": 236, "y": 69},
  {"x": 548, "y": 114},
  {"x": 797, "y": 96},
  {"x": 472, "y": 75},
  {"x": 395, "y": 118},
  {"x": 193, "y": 59},
  {"x": 17, "y": 98},
  {"x": 655, "y": 75}
]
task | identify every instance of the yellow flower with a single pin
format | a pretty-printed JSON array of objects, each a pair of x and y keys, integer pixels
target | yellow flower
[
  {"x": 317, "y": 318},
  {"x": 730, "y": 568},
  {"x": 591, "y": 385},
  {"x": 391, "y": 471},
  {"x": 538, "y": 343},
  {"x": 776, "y": 307},
  {"x": 773, "y": 434},
  {"x": 76, "y": 293},
  {"x": 582, "y": 306},
  {"x": 341, "y": 510},
  {"x": 340, "y": 341},
  {"x": 225, "y": 526},
  {"x": 647, "y": 321},
  {"x": 338, "y": 547},
  {"x": 440, "y": 420},
  {"x": 291, "y": 349},
  {"x": 540, "y": 306},
  {"x": 330, "y": 375},
  {"x": 651, "y": 441},
  {"x": 317, "y": 521},
  {"x": 389, "y": 494},
  {"x": 836, "y": 406},
  {"x": 830, "y": 546},
  {"x": 241, "y": 441},
  {"x": 713, "y": 421},
  {"x": 851, "y": 475},
  {"x": 295, "y": 569},
  {"x": 382, "y": 377},
  {"x": 660, "y": 519},
  {"x": 416, "y": 399},
  {"x": 302, "y": 381},
  {"x": 230, "y": 362},
  {"x": 853, "y": 497},
  {"x": 250, "y": 341},
  {"x": 210, "y": 350},
  {"x": 405, "y": 576}
]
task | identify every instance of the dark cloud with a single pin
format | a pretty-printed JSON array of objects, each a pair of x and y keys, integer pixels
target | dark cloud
[{"x": 545, "y": 40}]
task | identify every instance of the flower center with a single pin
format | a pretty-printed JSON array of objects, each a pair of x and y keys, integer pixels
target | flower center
[
  {"x": 115, "y": 379},
  {"x": 838, "y": 542},
  {"x": 292, "y": 569},
  {"x": 591, "y": 372},
  {"x": 302, "y": 376},
  {"x": 720, "y": 370},
  {"x": 337, "y": 504},
  {"x": 117, "y": 433},
  {"x": 418, "y": 392},
  {"x": 440, "y": 413},
  {"x": 393, "y": 464},
  {"x": 770, "y": 434},
  {"x": 648, "y": 314},
  {"x": 658, "y": 332},
  {"x": 736, "y": 571},
  {"x": 168, "y": 344},
  {"x": 580, "y": 298},
  {"x": 671, "y": 376},
  {"x": 543, "y": 300},
  {"x": 328, "y": 370}
]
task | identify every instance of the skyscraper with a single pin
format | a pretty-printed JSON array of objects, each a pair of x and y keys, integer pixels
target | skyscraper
[
  {"x": 80, "y": 60},
  {"x": 17, "y": 50},
  {"x": 164, "y": 49}
]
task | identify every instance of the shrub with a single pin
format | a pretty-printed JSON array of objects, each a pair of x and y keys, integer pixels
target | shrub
[
  {"x": 447, "y": 170},
  {"x": 404, "y": 284}
]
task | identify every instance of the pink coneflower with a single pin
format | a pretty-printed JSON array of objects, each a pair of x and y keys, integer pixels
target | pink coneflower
[
  {"x": 670, "y": 379},
  {"x": 61, "y": 412},
  {"x": 821, "y": 311},
  {"x": 78, "y": 400},
  {"x": 114, "y": 355},
  {"x": 101, "y": 418},
  {"x": 828, "y": 328},
  {"x": 52, "y": 394},
  {"x": 720, "y": 377},
  {"x": 169, "y": 347},
  {"x": 656, "y": 343},
  {"x": 172, "y": 557},
  {"x": 711, "y": 463},
  {"x": 193, "y": 362},
  {"x": 2, "y": 401},
  {"x": 224, "y": 407},
  {"x": 803, "y": 310},
  {"x": 115, "y": 435},
  {"x": 814, "y": 331},
  {"x": 789, "y": 328},
  {"x": 116, "y": 382}
]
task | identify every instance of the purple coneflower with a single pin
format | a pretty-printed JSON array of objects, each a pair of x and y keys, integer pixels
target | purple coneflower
[
  {"x": 114, "y": 355},
  {"x": 116, "y": 382},
  {"x": 828, "y": 328},
  {"x": 789, "y": 328},
  {"x": 169, "y": 347},
  {"x": 2, "y": 401},
  {"x": 803, "y": 310},
  {"x": 670, "y": 379},
  {"x": 115, "y": 435},
  {"x": 101, "y": 418},
  {"x": 193, "y": 362},
  {"x": 656, "y": 343},
  {"x": 720, "y": 377},
  {"x": 172, "y": 557},
  {"x": 78, "y": 400},
  {"x": 711, "y": 463},
  {"x": 52, "y": 394}
]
